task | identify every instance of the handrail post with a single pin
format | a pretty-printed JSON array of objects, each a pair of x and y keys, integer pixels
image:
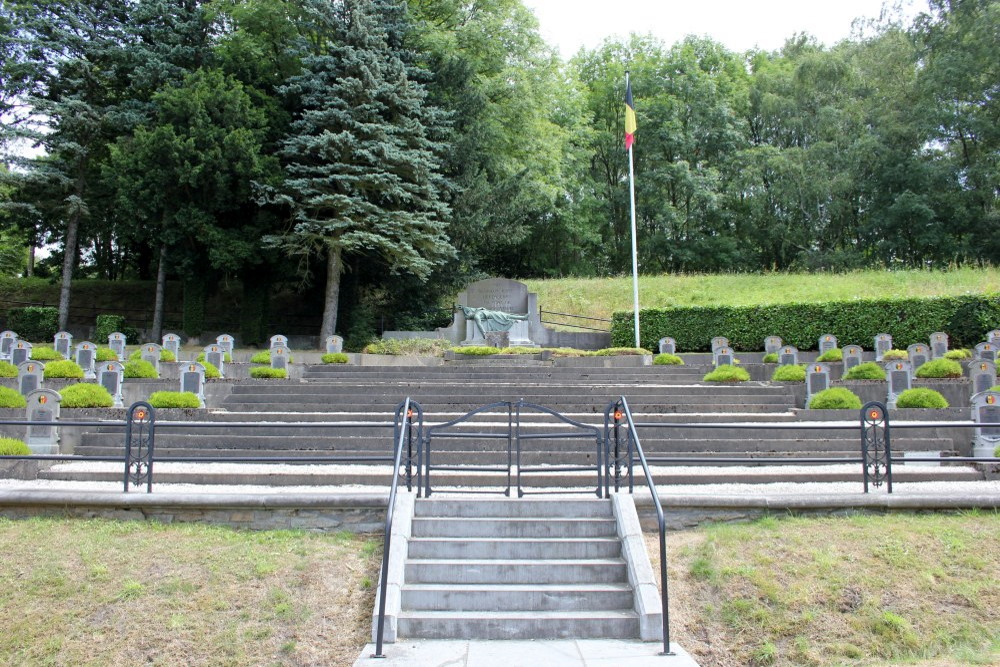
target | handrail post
[
  {"x": 876, "y": 452},
  {"x": 140, "y": 423}
]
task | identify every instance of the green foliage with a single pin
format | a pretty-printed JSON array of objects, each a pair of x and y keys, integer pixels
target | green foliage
[
  {"x": 211, "y": 371},
  {"x": 174, "y": 399},
  {"x": 568, "y": 352},
  {"x": 727, "y": 373},
  {"x": 476, "y": 350},
  {"x": 836, "y": 354},
  {"x": 86, "y": 395},
  {"x": 519, "y": 350},
  {"x": 34, "y": 323},
  {"x": 866, "y": 371},
  {"x": 410, "y": 346},
  {"x": 109, "y": 324},
  {"x": 960, "y": 354},
  {"x": 8, "y": 370},
  {"x": 940, "y": 368},
  {"x": 622, "y": 352},
  {"x": 262, "y": 357},
  {"x": 770, "y": 358},
  {"x": 105, "y": 354},
  {"x": 789, "y": 373},
  {"x": 921, "y": 398},
  {"x": 267, "y": 372},
  {"x": 10, "y": 398},
  {"x": 165, "y": 355},
  {"x": 895, "y": 355},
  {"x": 63, "y": 369},
  {"x": 13, "y": 447},
  {"x": 334, "y": 358},
  {"x": 45, "y": 353},
  {"x": 137, "y": 368},
  {"x": 835, "y": 398},
  {"x": 665, "y": 359},
  {"x": 226, "y": 358}
]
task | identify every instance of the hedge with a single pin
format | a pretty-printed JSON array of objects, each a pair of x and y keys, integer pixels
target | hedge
[
  {"x": 174, "y": 399},
  {"x": 34, "y": 323},
  {"x": 11, "y": 398},
  {"x": 86, "y": 395},
  {"x": 63, "y": 369},
  {"x": 835, "y": 398},
  {"x": 921, "y": 398},
  {"x": 14, "y": 447},
  {"x": 964, "y": 318},
  {"x": 7, "y": 370}
]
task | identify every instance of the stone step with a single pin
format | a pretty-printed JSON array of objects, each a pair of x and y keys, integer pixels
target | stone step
[
  {"x": 362, "y": 405},
  {"x": 518, "y": 625},
  {"x": 524, "y": 507},
  {"x": 497, "y": 571},
  {"x": 514, "y": 548},
  {"x": 519, "y": 389},
  {"x": 533, "y": 527},
  {"x": 504, "y": 597}
]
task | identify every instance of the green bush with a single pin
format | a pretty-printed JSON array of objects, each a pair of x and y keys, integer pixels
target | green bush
[
  {"x": 334, "y": 358},
  {"x": 268, "y": 372},
  {"x": 789, "y": 373},
  {"x": 520, "y": 350},
  {"x": 866, "y": 371},
  {"x": 174, "y": 399},
  {"x": 770, "y": 358},
  {"x": 105, "y": 354},
  {"x": 63, "y": 369},
  {"x": 476, "y": 350},
  {"x": 836, "y": 354},
  {"x": 835, "y": 398},
  {"x": 13, "y": 447},
  {"x": 665, "y": 359},
  {"x": 86, "y": 395},
  {"x": 410, "y": 346},
  {"x": 11, "y": 398},
  {"x": 895, "y": 355},
  {"x": 567, "y": 352},
  {"x": 726, "y": 373},
  {"x": 940, "y": 368},
  {"x": 621, "y": 352},
  {"x": 211, "y": 371},
  {"x": 228, "y": 358},
  {"x": 137, "y": 368},
  {"x": 921, "y": 398},
  {"x": 165, "y": 355},
  {"x": 109, "y": 324},
  {"x": 7, "y": 370},
  {"x": 996, "y": 452},
  {"x": 262, "y": 357},
  {"x": 960, "y": 354},
  {"x": 34, "y": 323},
  {"x": 45, "y": 353}
]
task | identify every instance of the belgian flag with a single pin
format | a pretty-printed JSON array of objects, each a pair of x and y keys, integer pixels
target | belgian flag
[{"x": 629, "y": 117}]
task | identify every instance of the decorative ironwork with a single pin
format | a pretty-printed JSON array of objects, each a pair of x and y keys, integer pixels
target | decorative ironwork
[
  {"x": 876, "y": 453},
  {"x": 576, "y": 430},
  {"x": 139, "y": 430},
  {"x": 618, "y": 450},
  {"x": 412, "y": 438}
]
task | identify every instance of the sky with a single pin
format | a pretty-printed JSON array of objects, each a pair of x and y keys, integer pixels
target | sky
[{"x": 738, "y": 24}]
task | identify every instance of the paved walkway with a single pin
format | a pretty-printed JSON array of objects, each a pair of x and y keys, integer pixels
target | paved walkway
[{"x": 535, "y": 653}]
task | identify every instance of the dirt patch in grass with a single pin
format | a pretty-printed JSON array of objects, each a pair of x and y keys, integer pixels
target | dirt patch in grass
[
  {"x": 99, "y": 592},
  {"x": 860, "y": 590}
]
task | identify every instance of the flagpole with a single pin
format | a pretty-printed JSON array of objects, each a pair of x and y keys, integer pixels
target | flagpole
[{"x": 635, "y": 253}]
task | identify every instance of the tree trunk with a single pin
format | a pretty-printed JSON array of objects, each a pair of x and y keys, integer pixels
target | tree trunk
[
  {"x": 161, "y": 282},
  {"x": 334, "y": 268},
  {"x": 69, "y": 260},
  {"x": 30, "y": 271}
]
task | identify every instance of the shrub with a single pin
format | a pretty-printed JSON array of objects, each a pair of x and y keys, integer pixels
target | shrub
[
  {"x": 34, "y": 323},
  {"x": 262, "y": 357},
  {"x": 726, "y": 373},
  {"x": 789, "y": 373},
  {"x": 45, "y": 353},
  {"x": 268, "y": 372},
  {"x": 866, "y": 371},
  {"x": 621, "y": 352},
  {"x": 211, "y": 371},
  {"x": 958, "y": 355},
  {"x": 334, "y": 358},
  {"x": 137, "y": 368},
  {"x": 921, "y": 398},
  {"x": 7, "y": 370},
  {"x": 476, "y": 350},
  {"x": 996, "y": 452},
  {"x": 63, "y": 369},
  {"x": 567, "y": 352},
  {"x": 86, "y": 395},
  {"x": 109, "y": 324},
  {"x": 174, "y": 399},
  {"x": 165, "y": 355},
  {"x": 11, "y": 398},
  {"x": 771, "y": 358},
  {"x": 836, "y": 354},
  {"x": 835, "y": 398},
  {"x": 105, "y": 354},
  {"x": 13, "y": 447},
  {"x": 895, "y": 355},
  {"x": 520, "y": 350},
  {"x": 409, "y": 346},
  {"x": 228, "y": 358},
  {"x": 665, "y": 359},
  {"x": 940, "y": 368}
]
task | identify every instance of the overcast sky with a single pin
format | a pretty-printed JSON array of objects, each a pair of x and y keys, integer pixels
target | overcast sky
[{"x": 739, "y": 24}]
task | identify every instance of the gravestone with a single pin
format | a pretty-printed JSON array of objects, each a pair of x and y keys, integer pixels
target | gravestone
[
  {"x": 789, "y": 356},
  {"x": 116, "y": 341},
  {"x": 668, "y": 345},
  {"x": 7, "y": 339},
  {"x": 719, "y": 341},
  {"x": 827, "y": 342},
  {"x": 986, "y": 352},
  {"x": 986, "y": 410},
  {"x": 499, "y": 295},
  {"x": 334, "y": 344},
  {"x": 982, "y": 375},
  {"x": 110, "y": 375},
  {"x": 918, "y": 355},
  {"x": 85, "y": 356},
  {"x": 883, "y": 343},
  {"x": 172, "y": 343},
  {"x": 43, "y": 406},
  {"x": 817, "y": 380},
  {"x": 993, "y": 337},
  {"x": 226, "y": 342},
  {"x": 215, "y": 356},
  {"x": 64, "y": 344},
  {"x": 852, "y": 356},
  {"x": 29, "y": 376},
  {"x": 772, "y": 344},
  {"x": 279, "y": 340},
  {"x": 151, "y": 352},
  {"x": 722, "y": 356},
  {"x": 20, "y": 353},
  {"x": 939, "y": 344},
  {"x": 193, "y": 380},
  {"x": 900, "y": 376},
  {"x": 279, "y": 357}
]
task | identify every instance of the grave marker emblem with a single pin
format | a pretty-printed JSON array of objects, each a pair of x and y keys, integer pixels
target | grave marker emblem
[
  {"x": 85, "y": 355},
  {"x": 116, "y": 341},
  {"x": 900, "y": 375},
  {"x": 334, "y": 344},
  {"x": 789, "y": 356},
  {"x": 193, "y": 380},
  {"x": 827, "y": 342},
  {"x": 918, "y": 355},
  {"x": 939, "y": 344},
  {"x": 29, "y": 377},
  {"x": 110, "y": 375},
  {"x": 668, "y": 345},
  {"x": 983, "y": 376},
  {"x": 817, "y": 380},
  {"x": 883, "y": 343},
  {"x": 64, "y": 343},
  {"x": 852, "y": 356},
  {"x": 20, "y": 353},
  {"x": 43, "y": 406},
  {"x": 772, "y": 344},
  {"x": 986, "y": 352}
]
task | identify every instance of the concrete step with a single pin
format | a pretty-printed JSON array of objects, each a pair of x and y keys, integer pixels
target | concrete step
[
  {"x": 514, "y": 548},
  {"x": 507, "y": 597},
  {"x": 468, "y": 508},
  {"x": 361, "y": 404},
  {"x": 535, "y": 527},
  {"x": 518, "y": 571},
  {"x": 518, "y": 624}
]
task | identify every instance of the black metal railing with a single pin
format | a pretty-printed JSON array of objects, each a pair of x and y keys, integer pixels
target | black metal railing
[{"x": 590, "y": 320}]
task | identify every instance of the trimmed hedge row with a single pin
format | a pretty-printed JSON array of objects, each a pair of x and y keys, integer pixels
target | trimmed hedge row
[{"x": 966, "y": 319}]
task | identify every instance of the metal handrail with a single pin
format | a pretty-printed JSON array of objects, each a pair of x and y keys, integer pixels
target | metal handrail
[{"x": 585, "y": 430}]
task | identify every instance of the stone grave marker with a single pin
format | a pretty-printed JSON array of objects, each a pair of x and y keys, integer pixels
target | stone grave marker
[
  {"x": 226, "y": 342},
  {"x": 993, "y": 337},
  {"x": 986, "y": 352},
  {"x": 279, "y": 357},
  {"x": 279, "y": 340},
  {"x": 789, "y": 356},
  {"x": 900, "y": 376},
  {"x": 939, "y": 344},
  {"x": 29, "y": 376},
  {"x": 772, "y": 344},
  {"x": 215, "y": 356},
  {"x": 817, "y": 380},
  {"x": 43, "y": 406},
  {"x": 85, "y": 356},
  {"x": 986, "y": 410},
  {"x": 668, "y": 345},
  {"x": 827, "y": 342},
  {"x": 116, "y": 341},
  {"x": 334, "y": 344},
  {"x": 722, "y": 356},
  {"x": 172, "y": 343},
  {"x": 918, "y": 354},
  {"x": 883, "y": 343},
  {"x": 852, "y": 356},
  {"x": 64, "y": 343},
  {"x": 719, "y": 341},
  {"x": 7, "y": 339},
  {"x": 110, "y": 375},
  {"x": 151, "y": 352},
  {"x": 983, "y": 375},
  {"x": 20, "y": 352},
  {"x": 193, "y": 380}
]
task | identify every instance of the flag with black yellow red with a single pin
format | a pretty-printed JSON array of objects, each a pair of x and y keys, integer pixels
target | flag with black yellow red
[{"x": 629, "y": 117}]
